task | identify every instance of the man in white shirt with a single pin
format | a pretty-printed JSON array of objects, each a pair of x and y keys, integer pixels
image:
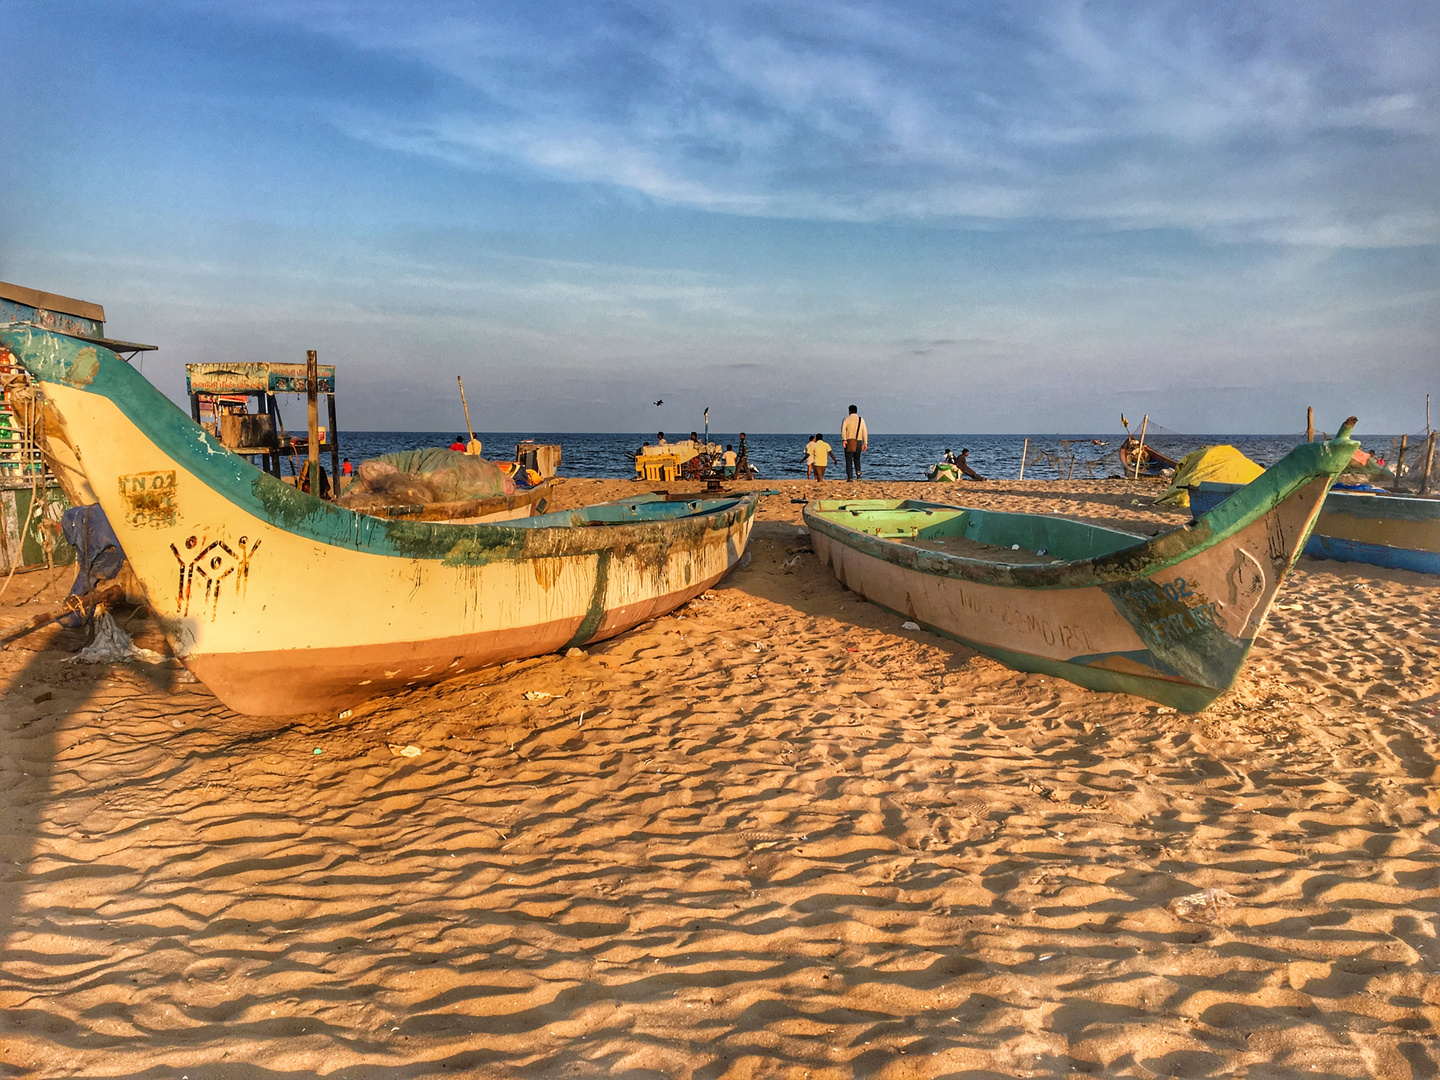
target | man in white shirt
[{"x": 855, "y": 438}]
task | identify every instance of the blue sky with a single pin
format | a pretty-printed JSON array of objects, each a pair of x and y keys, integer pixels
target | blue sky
[{"x": 983, "y": 217}]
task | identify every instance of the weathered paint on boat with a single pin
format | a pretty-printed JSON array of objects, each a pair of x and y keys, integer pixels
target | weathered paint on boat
[
  {"x": 1171, "y": 618},
  {"x": 1401, "y": 532},
  {"x": 282, "y": 603}
]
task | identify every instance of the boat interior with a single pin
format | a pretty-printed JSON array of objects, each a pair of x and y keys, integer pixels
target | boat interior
[
  {"x": 1028, "y": 539},
  {"x": 628, "y": 511}
]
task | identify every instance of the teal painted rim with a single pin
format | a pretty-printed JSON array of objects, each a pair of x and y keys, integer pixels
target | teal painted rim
[
  {"x": 73, "y": 362},
  {"x": 1307, "y": 462}
]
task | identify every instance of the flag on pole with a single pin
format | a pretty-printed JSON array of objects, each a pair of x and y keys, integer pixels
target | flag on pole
[{"x": 707, "y": 423}]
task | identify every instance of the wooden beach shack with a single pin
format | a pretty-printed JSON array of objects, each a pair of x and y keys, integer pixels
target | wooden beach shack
[
  {"x": 35, "y": 491},
  {"x": 221, "y": 396}
]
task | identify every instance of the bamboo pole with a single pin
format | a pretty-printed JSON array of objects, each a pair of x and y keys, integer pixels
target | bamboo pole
[
  {"x": 471, "y": 447},
  {"x": 1429, "y": 463},
  {"x": 1024, "y": 451},
  {"x": 312, "y": 409},
  {"x": 1140, "y": 450},
  {"x": 1310, "y": 423},
  {"x": 1400, "y": 459},
  {"x": 83, "y": 604}
]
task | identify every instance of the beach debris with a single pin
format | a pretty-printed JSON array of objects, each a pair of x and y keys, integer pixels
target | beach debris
[
  {"x": 574, "y": 651},
  {"x": 1014, "y": 547},
  {"x": 410, "y": 750},
  {"x": 788, "y": 563},
  {"x": 112, "y": 645},
  {"x": 345, "y": 714},
  {"x": 910, "y": 626},
  {"x": 538, "y": 695},
  {"x": 46, "y": 696},
  {"x": 317, "y": 751},
  {"x": 1208, "y": 905}
]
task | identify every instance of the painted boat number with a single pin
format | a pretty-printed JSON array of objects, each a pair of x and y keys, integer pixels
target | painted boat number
[
  {"x": 1161, "y": 601},
  {"x": 149, "y": 498}
]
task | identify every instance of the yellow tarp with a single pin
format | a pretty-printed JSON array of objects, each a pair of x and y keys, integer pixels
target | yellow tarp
[{"x": 1217, "y": 464}]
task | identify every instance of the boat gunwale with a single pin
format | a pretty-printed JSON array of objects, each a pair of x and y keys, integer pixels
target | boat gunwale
[
  {"x": 1287, "y": 477},
  {"x": 281, "y": 506}
]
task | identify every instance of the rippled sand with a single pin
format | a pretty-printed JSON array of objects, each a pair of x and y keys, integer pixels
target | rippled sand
[{"x": 773, "y": 834}]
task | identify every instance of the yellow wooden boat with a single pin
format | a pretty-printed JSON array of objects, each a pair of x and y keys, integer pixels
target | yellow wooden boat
[{"x": 282, "y": 603}]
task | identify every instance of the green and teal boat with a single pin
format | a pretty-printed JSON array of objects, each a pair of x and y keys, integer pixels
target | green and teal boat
[{"x": 1170, "y": 618}]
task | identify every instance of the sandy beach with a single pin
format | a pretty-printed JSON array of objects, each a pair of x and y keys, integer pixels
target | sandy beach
[{"x": 774, "y": 834}]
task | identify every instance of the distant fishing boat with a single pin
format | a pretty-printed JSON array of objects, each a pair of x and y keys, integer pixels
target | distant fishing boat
[
  {"x": 1398, "y": 531},
  {"x": 1170, "y": 618},
  {"x": 282, "y": 603}
]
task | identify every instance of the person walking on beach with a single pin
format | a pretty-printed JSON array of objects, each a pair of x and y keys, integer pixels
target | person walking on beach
[
  {"x": 810, "y": 457},
  {"x": 819, "y": 450},
  {"x": 855, "y": 438}
]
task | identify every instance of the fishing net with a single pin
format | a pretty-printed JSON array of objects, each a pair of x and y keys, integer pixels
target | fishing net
[{"x": 423, "y": 477}]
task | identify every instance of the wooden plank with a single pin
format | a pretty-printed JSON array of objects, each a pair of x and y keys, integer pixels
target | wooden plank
[{"x": 52, "y": 302}]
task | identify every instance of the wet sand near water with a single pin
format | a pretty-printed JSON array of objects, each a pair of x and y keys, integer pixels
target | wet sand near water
[{"x": 771, "y": 835}]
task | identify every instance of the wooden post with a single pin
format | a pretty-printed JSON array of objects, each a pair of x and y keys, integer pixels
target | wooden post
[
  {"x": 1025, "y": 450},
  {"x": 1400, "y": 459},
  {"x": 1429, "y": 463},
  {"x": 312, "y": 407},
  {"x": 1140, "y": 450},
  {"x": 334, "y": 448},
  {"x": 278, "y": 429},
  {"x": 1310, "y": 423}
]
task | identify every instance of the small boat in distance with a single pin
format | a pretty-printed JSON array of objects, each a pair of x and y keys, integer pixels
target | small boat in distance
[
  {"x": 1381, "y": 529},
  {"x": 283, "y": 603},
  {"x": 1169, "y": 618}
]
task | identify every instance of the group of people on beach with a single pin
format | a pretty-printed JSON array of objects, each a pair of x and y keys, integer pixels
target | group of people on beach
[
  {"x": 854, "y": 438},
  {"x": 729, "y": 463}
]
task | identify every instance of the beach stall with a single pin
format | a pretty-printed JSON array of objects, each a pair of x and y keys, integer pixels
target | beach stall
[
  {"x": 221, "y": 397},
  {"x": 36, "y": 484}
]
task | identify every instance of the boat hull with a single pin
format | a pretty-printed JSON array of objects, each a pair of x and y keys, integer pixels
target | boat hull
[
  {"x": 1396, "y": 531},
  {"x": 1171, "y": 619},
  {"x": 281, "y": 603}
]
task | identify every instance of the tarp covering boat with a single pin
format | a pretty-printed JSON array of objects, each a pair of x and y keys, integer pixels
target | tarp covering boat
[{"x": 1216, "y": 464}]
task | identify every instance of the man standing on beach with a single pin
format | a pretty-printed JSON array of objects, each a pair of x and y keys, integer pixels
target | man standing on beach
[
  {"x": 810, "y": 457},
  {"x": 855, "y": 438}
]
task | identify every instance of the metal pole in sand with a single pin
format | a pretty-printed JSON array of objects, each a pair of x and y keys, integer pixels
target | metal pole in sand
[
  {"x": 1024, "y": 451},
  {"x": 1140, "y": 450},
  {"x": 312, "y": 406}
]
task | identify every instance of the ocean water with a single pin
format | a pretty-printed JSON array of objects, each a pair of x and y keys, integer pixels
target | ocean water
[{"x": 891, "y": 457}]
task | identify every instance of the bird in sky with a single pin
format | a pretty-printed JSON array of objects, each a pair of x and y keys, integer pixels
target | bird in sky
[{"x": 660, "y": 402}]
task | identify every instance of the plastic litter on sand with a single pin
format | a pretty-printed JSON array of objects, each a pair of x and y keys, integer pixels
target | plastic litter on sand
[
  {"x": 1209, "y": 905},
  {"x": 112, "y": 645}
]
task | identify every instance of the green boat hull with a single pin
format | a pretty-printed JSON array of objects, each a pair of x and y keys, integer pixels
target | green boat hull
[{"x": 1170, "y": 618}]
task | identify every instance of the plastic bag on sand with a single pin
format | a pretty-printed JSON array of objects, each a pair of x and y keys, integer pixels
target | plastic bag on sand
[
  {"x": 1208, "y": 905},
  {"x": 111, "y": 645}
]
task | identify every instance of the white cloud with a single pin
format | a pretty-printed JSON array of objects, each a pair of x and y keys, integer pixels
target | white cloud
[{"x": 1239, "y": 121}]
